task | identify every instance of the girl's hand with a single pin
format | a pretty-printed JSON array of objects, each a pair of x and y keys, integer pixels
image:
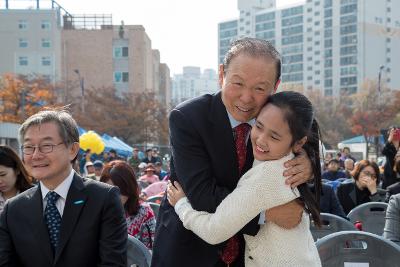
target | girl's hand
[{"x": 174, "y": 193}]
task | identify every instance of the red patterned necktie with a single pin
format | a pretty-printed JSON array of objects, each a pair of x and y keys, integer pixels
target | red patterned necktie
[
  {"x": 241, "y": 132},
  {"x": 231, "y": 251}
]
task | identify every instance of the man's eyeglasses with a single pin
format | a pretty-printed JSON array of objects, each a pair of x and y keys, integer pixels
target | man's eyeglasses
[
  {"x": 370, "y": 174},
  {"x": 45, "y": 148}
]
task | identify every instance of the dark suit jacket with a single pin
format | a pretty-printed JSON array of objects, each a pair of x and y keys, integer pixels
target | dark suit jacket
[
  {"x": 204, "y": 162},
  {"x": 329, "y": 202},
  {"x": 93, "y": 229},
  {"x": 347, "y": 196}
]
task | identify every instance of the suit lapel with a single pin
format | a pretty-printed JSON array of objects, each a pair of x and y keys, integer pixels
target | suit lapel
[
  {"x": 38, "y": 224},
  {"x": 224, "y": 141},
  {"x": 76, "y": 200}
]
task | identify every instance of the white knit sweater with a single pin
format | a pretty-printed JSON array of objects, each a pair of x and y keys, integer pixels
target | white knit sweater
[{"x": 259, "y": 189}]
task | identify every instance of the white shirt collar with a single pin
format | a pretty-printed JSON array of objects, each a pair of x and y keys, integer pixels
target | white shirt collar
[
  {"x": 235, "y": 123},
  {"x": 61, "y": 189}
]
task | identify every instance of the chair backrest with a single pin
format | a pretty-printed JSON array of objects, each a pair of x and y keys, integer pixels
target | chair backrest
[
  {"x": 155, "y": 207},
  {"x": 138, "y": 254},
  {"x": 353, "y": 247},
  {"x": 371, "y": 215},
  {"x": 330, "y": 224}
]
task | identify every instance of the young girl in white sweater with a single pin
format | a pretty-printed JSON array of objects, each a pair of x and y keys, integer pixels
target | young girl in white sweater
[{"x": 284, "y": 126}]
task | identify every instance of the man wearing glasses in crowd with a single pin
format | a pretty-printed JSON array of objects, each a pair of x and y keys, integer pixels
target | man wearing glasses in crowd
[{"x": 65, "y": 220}]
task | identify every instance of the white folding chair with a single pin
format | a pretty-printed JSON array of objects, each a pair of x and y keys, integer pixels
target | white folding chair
[
  {"x": 357, "y": 248},
  {"x": 371, "y": 215},
  {"x": 330, "y": 224},
  {"x": 138, "y": 254}
]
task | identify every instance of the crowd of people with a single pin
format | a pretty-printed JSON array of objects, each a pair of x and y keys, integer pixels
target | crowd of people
[{"x": 243, "y": 183}]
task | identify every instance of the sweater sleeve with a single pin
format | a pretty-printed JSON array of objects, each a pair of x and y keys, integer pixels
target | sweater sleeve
[{"x": 261, "y": 188}]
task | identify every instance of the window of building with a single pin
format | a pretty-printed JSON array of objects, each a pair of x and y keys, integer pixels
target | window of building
[
  {"x": 46, "y": 43},
  {"x": 292, "y": 30},
  {"x": 352, "y": 19},
  {"x": 309, "y": 39},
  {"x": 317, "y": 13},
  {"x": 309, "y": 48},
  {"x": 317, "y": 72},
  {"x": 388, "y": 59},
  {"x": 348, "y": 50},
  {"x": 121, "y": 77},
  {"x": 348, "y": 9},
  {"x": 328, "y": 73},
  {"x": 317, "y": 62},
  {"x": 317, "y": 33},
  {"x": 328, "y": 43},
  {"x": 328, "y": 13},
  {"x": 351, "y": 60},
  {"x": 46, "y": 25},
  {"x": 309, "y": 68},
  {"x": 121, "y": 51},
  {"x": 317, "y": 23},
  {"x": 328, "y": 23},
  {"x": 22, "y": 24},
  {"x": 328, "y": 83},
  {"x": 328, "y": 92},
  {"x": 317, "y": 82},
  {"x": 317, "y": 42},
  {"x": 309, "y": 10},
  {"x": 309, "y": 20},
  {"x": 348, "y": 29},
  {"x": 309, "y": 59},
  {"x": 317, "y": 3},
  {"x": 328, "y": 53},
  {"x": 350, "y": 39},
  {"x": 328, "y": 63},
  {"x": 23, "y": 61},
  {"x": 46, "y": 61},
  {"x": 317, "y": 53},
  {"x": 348, "y": 80},
  {"x": 23, "y": 43},
  {"x": 328, "y": 3}
]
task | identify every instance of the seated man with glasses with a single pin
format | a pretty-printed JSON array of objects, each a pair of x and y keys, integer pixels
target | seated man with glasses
[
  {"x": 363, "y": 189},
  {"x": 65, "y": 220}
]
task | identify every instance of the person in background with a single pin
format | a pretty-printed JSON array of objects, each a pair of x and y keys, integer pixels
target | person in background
[
  {"x": 149, "y": 157},
  {"x": 333, "y": 173},
  {"x": 89, "y": 170},
  {"x": 159, "y": 171},
  {"x": 348, "y": 167},
  {"x": 139, "y": 216},
  {"x": 364, "y": 188},
  {"x": 14, "y": 178},
  {"x": 345, "y": 155},
  {"x": 98, "y": 168},
  {"x": 391, "y": 173},
  {"x": 66, "y": 220},
  {"x": 86, "y": 157},
  {"x": 328, "y": 201},
  {"x": 134, "y": 161},
  {"x": 149, "y": 175},
  {"x": 392, "y": 220},
  {"x": 112, "y": 155}
]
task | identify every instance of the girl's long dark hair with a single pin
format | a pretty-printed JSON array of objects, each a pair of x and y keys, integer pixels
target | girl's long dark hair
[{"x": 299, "y": 114}]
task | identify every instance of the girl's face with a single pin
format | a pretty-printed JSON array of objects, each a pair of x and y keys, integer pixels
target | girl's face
[
  {"x": 8, "y": 178},
  {"x": 271, "y": 137}
]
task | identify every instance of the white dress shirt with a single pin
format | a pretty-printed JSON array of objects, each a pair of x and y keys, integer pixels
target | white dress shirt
[{"x": 61, "y": 190}]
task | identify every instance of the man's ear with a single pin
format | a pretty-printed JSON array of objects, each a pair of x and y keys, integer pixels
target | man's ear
[
  {"x": 74, "y": 150},
  {"x": 221, "y": 74},
  {"x": 299, "y": 144},
  {"x": 276, "y": 85}
]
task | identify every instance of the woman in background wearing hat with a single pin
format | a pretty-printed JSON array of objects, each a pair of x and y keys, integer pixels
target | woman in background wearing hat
[
  {"x": 140, "y": 218},
  {"x": 149, "y": 175}
]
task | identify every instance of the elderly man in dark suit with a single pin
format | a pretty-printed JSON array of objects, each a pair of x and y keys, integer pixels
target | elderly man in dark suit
[
  {"x": 66, "y": 220},
  {"x": 207, "y": 161}
]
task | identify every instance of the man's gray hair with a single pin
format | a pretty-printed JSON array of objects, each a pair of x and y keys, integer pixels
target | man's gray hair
[
  {"x": 256, "y": 48},
  {"x": 67, "y": 126}
]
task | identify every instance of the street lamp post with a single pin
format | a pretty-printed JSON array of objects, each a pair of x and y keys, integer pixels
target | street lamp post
[
  {"x": 81, "y": 82},
  {"x": 377, "y": 138}
]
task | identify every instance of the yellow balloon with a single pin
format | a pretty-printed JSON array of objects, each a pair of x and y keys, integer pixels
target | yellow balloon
[{"x": 91, "y": 140}]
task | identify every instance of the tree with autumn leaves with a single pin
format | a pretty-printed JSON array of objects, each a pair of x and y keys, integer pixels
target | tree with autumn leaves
[
  {"x": 373, "y": 110},
  {"x": 135, "y": 118},
  {"x": 21, "y": 97}
]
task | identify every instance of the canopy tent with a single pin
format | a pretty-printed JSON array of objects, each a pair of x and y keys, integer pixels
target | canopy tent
[
  {"x": 357, "y": 145},
  {"x": 120, "y": 147},
  {"x": 123, "y": 144},
  {"x": 360, "y": 139}
]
